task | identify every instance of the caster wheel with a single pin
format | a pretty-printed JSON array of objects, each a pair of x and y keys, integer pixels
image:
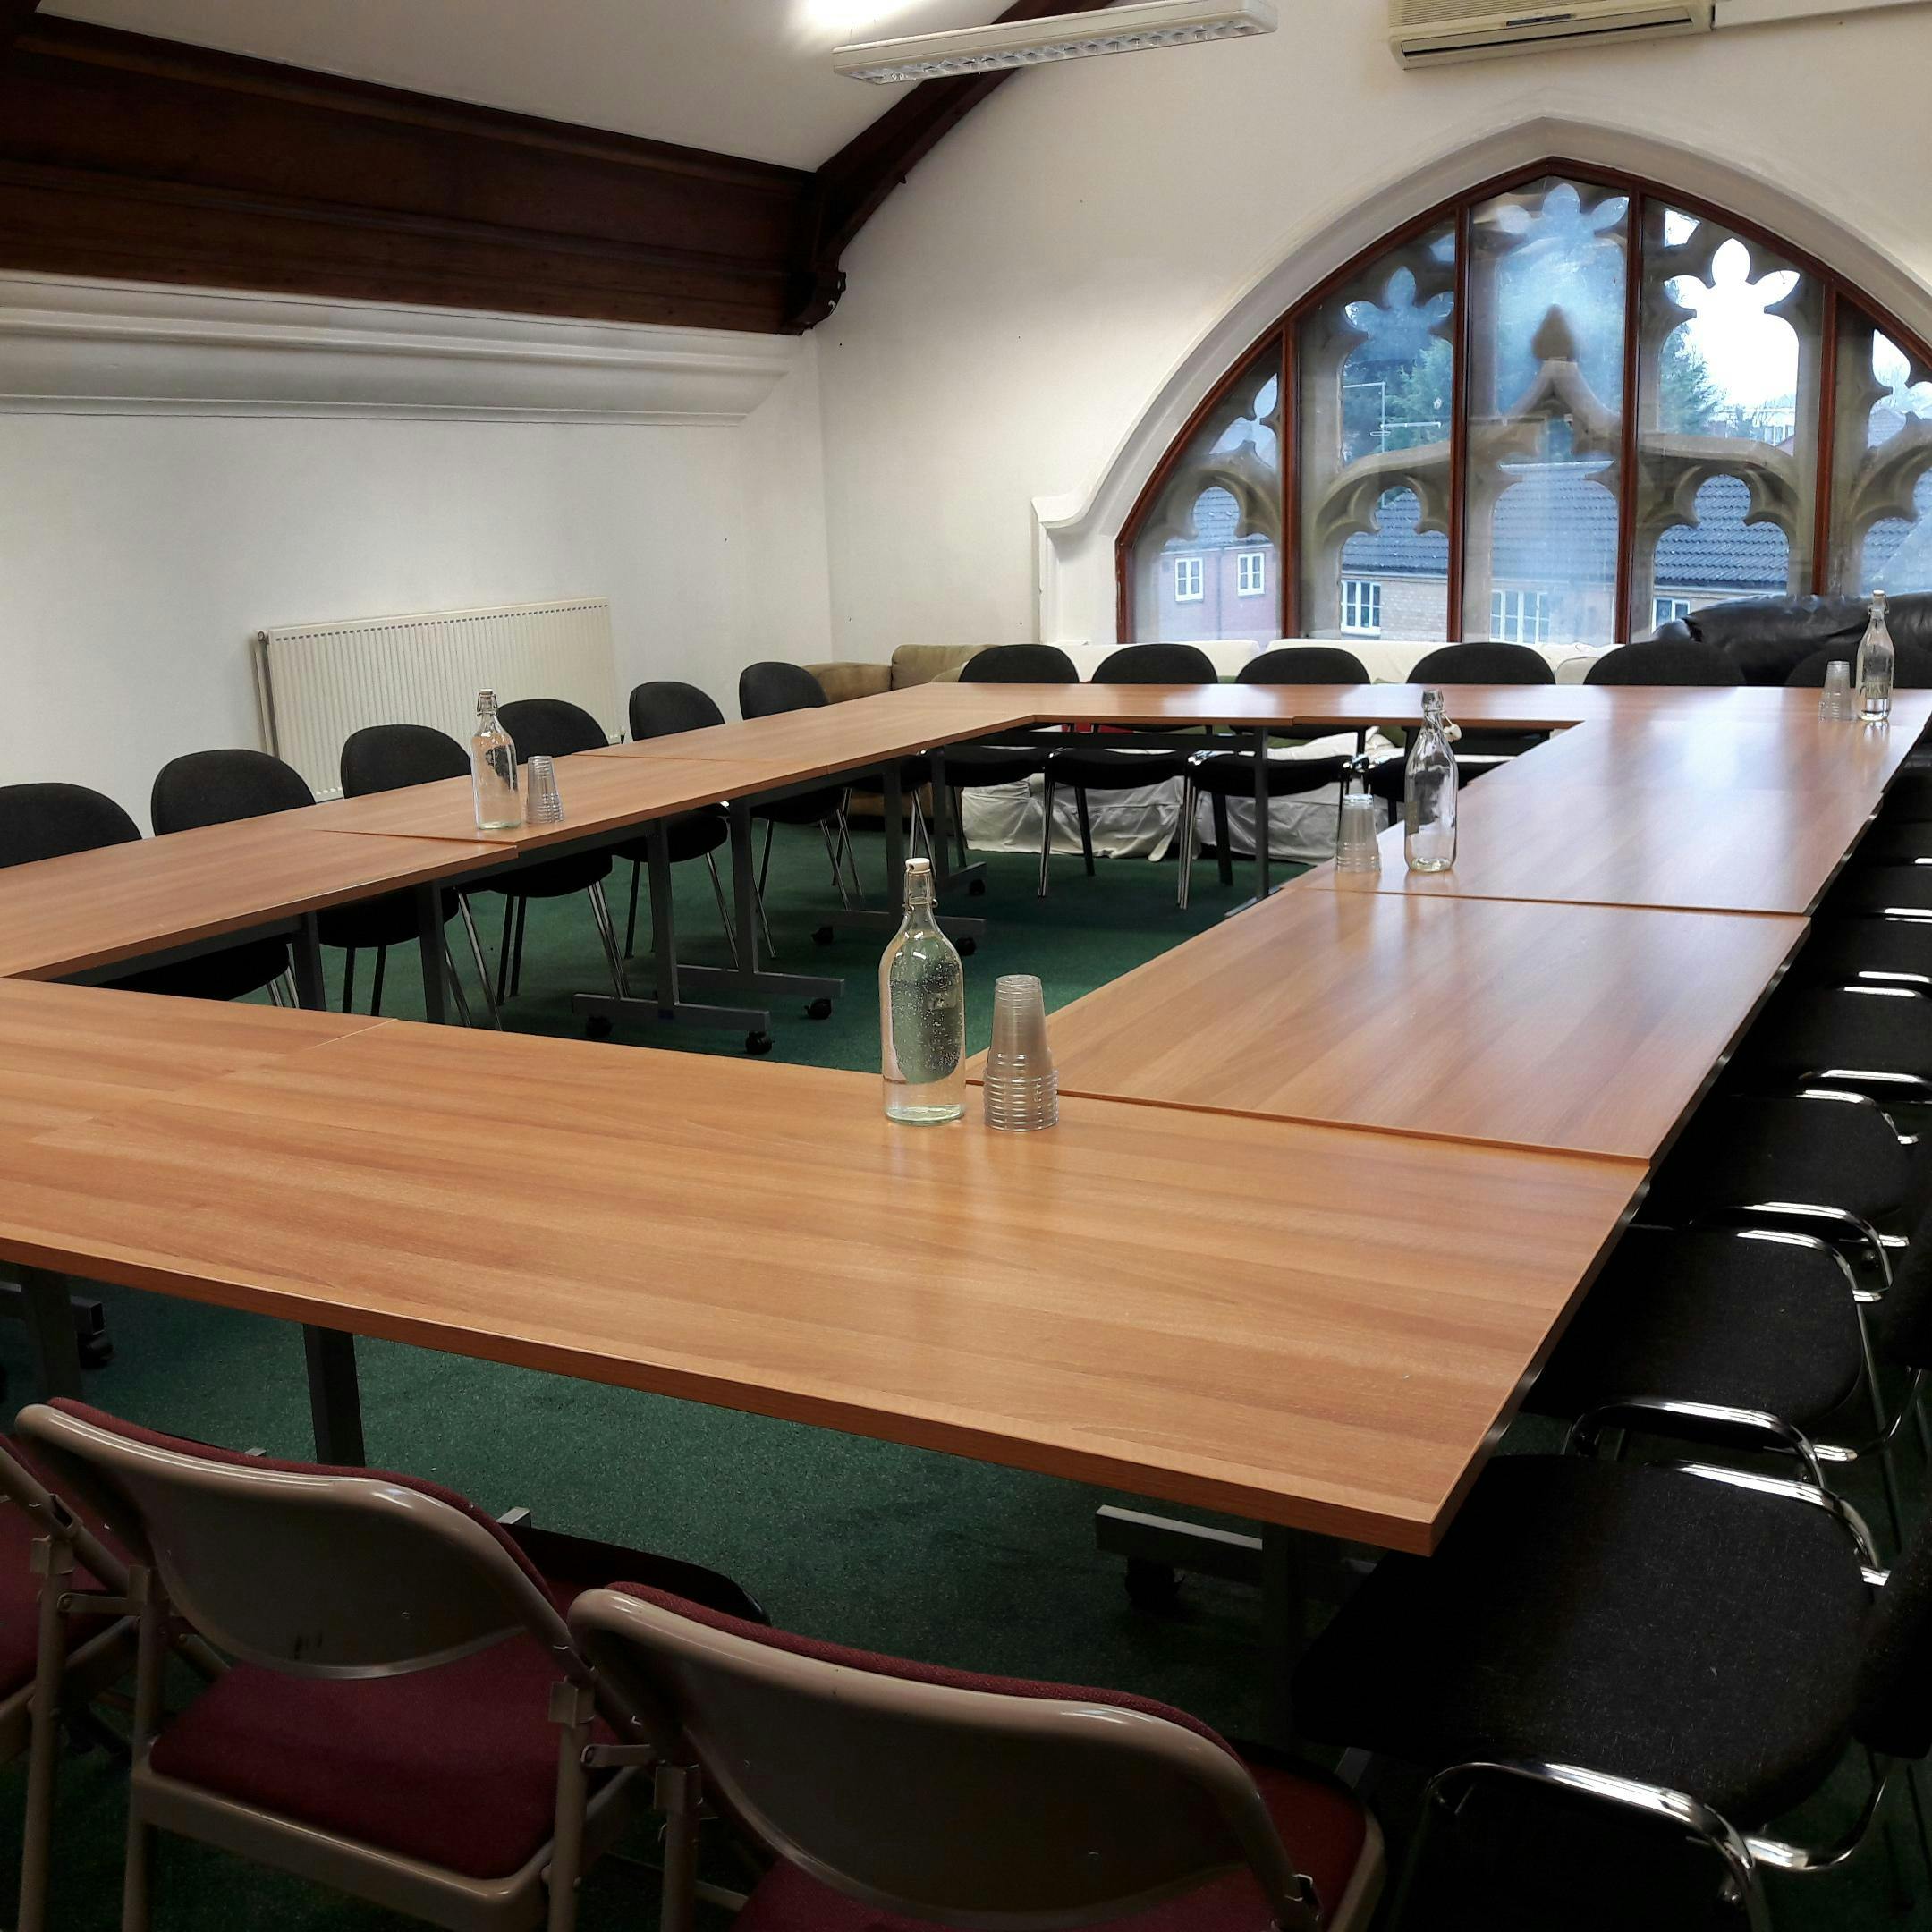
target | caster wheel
[
  {"x": 597, "y": 1027},
  {"x": 823, "y": 937},
  {"x": 976, "y": 889},
  {"x": 1153, "y": 1587},
  {"x": 819, "y": 1009},
  {"x": 96, "y": 1353},
  {"x": 968, "y": 947},
  {"x": 757, "y": 1043}
]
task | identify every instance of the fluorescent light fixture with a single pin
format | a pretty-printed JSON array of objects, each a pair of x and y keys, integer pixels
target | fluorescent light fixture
[{"x": 1114, "y": 30}]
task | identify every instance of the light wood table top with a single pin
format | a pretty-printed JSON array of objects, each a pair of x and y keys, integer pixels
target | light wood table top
[
  {"x": 92, "y": 909},
  {"x": 1631, "y": 845},
  {"x": 1306, "y": 1325},
  {"x": 598, "y": 795},
  {"x": 69, "y": 1053},
  {"x": 1588, "y": 1028}
]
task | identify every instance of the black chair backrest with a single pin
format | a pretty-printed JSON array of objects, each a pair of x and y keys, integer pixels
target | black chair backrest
[
  {"x": 665, "y": 707},
  {"x": 1482, "y": 663},
  {"x": 1157, "y": 664},
  {"x": 206, "y": 788},
  {"x": 770, "y": 687},
  {"x": 48, "y": 821},
  {"x": 1663, "y": 662},
  {"x": 387, "y": 758},
  {"x": 1912, "y": 670},
  {"x": 550, "y": 727},
  {"x": 1305, "y": 664},
  {"x": 1019, "y": 663}
]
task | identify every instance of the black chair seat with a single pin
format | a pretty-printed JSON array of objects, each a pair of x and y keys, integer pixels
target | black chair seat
[
  {"x": 1619, "y": 1616},
  {"x": 1840, "y": 950},
  {"x": 1827, "y": 1152},
  {"x": 1868, "y": 891},
  {"x": 1232, "y": 775},
  {"x": 1724, "y": 1319},
  {"x": 232, "y": 973},
  {"x": 1902, "y": 841},
  {"x": 1115, "y": 770},
  {"x": 556, "y": 878},
  {"x": 1909, "y": 800},
  {"x": 970, "y": 767},
  {"x": 374, "y": 923},
  {"x": 689, "y": 835},
  {"x": 1816, "y": 1030}
]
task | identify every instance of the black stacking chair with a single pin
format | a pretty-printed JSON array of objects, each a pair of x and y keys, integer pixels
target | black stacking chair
[
  {"x": 1687, "y": 663},
  {"x": 49, "y": 821},
  {"x": 1765, "y": 1321},
  {"x": 1486, "y": 663},
  {"x": 1672, "y": 1648},
  {"x": 1912, "y": 671},
  {"x": 217, "y": 787},
  {"x": 1222, "y": 775},
  {"x": 970, "y": 767},
  {"x": 765, "y": 690},
  {"x": 390, "y": 758},
  {"x": 1874, "y": 1038},
  {"x": 1100, "y": 766},
  {"x": 661, "y": 709}
]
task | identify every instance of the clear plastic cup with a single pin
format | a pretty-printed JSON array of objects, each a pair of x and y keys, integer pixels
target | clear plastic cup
[
  {"x": 1357, "y": 846},
  {"x": 1835, "y": 701},
  {"x": 1020, "y": 1084},
  {"x": 543, "y": 803}
]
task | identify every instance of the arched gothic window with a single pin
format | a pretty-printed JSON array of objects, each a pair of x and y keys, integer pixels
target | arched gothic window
[{"x": 1564, "y": 408}]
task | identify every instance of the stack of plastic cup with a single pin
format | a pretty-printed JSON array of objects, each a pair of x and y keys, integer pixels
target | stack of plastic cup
[
  {"x": 543, "y": 803},
  {"x": 1835, "y": 701},
  {"x": 1358, "y": 846},
  {"x": 1022, "y": 1088}
]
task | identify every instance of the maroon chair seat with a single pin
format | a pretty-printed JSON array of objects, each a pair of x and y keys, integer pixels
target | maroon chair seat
[
  {"x": 1323, "y": 1825},
  {"x": 454, "y": 1765}
]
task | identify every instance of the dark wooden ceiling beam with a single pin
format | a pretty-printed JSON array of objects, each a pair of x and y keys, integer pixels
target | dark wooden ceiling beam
[{"x": 851, "y": 188}]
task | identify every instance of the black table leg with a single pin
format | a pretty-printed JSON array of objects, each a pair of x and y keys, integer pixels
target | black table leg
[
  {"x": 1284, "y": 1629},
  {"x": 1261, "y": 815},
  {"x": 50, "y": 1328},
  {"x": 334, "y": 1396},
  {"x": 430, "y": 938}
]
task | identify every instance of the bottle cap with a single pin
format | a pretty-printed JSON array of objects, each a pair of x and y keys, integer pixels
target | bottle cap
[
  {"x": 486, "y": 701},
  {"x": 919, "y": 868},
  {"x": 1877, "y": 603}
]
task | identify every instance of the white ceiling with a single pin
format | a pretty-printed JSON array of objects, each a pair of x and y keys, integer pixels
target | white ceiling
[{"x": 745, "y": 76}]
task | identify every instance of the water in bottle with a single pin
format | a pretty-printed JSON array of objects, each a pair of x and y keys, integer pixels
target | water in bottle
[
  {"x": 1430, "y": 794},
  {"x": 493, "y": 773},
  {"x": 1876, "y": 662},
  {"x": 922, "y": 1012}
]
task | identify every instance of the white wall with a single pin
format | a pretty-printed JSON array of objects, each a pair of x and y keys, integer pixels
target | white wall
[
  {"x": 1093, "y": 246},
  {"x": 140, "y": 554}
]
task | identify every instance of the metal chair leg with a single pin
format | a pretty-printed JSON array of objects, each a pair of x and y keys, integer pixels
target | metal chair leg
[
  {"x": 382, "y": 967},
  {"x": 758, "y": 899},
  {"x": 724, "y": 911},
  {"x": 845, "y": 845},
  {"x": 764, "y": 873},
  {"x": 503, "y": 950},
  {"x": 1045, "y": 843},
  {"x": 1086, "y": 827},
  {"x": 608, "y": 932},
  {"x": 55, "y": 1556},
  {"x": 482, "y": 966},
  {"x": 516, "y": 956},
  {"x": 838, "y": 876},
  {"x": 348, "y": 981},
  {"x": 1224, "y": 841},
  {"x": 629, "y": 935},
  {"x": 136, "y": 1890},
  {"x": 1188, "y": 839},
  {"x": 959, "y": 826},
  {"x": 456, "y": 986}
]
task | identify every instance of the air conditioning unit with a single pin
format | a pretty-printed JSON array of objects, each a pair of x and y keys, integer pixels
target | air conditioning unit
[{"x": 1431, "y": 33}]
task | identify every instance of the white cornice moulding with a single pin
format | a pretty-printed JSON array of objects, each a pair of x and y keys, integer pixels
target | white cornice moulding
[{"x": 78, "y": 347}]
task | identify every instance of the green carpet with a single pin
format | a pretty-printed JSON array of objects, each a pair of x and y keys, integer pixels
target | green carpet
[{"x": 894, "y": 1549}]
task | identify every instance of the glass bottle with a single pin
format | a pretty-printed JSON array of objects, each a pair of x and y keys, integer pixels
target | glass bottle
[
  {"x": 922, "y": 1012},
  {"x": 1876, "y": 660},
  {"x": 1429, "y": 792},
  {"x": 493, "y": 773}
]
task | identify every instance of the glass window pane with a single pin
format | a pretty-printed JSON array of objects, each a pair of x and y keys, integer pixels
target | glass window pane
[
  {"x": 1727, "y": 420},
  {"x": 1546, "y": 403},
  {"x": 1375, "y": 379},
  {"x": 1219, "y": 509},
  {"x": 1881, "y": 462}
]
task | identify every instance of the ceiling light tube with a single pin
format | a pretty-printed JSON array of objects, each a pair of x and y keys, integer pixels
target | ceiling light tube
[{"x": 1116, "y": 30}]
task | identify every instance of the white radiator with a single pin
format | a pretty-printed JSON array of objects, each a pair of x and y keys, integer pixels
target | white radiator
[{"x": 317, "y": 683}]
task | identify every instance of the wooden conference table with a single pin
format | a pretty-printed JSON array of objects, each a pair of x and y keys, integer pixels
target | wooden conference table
[{"x": 1329, "y": 1181}]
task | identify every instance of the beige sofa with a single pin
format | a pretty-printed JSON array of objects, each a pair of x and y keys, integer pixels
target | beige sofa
[{"x": 911, "y": 663}]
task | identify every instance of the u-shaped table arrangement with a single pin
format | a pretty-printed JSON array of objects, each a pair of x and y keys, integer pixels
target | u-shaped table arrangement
[{"x": 1329, "y": 1178}]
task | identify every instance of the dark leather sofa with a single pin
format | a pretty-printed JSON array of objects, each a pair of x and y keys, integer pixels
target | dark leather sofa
[{"x": 1766, "y": 637}]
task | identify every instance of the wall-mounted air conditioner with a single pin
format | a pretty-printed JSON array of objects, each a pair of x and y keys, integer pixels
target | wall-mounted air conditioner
[{"x": 1431, "y": 33}]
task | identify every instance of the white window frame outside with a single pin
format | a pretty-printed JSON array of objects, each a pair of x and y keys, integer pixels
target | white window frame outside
[
  {"x": 1362, "y": 607},
  {"x": 1190, "y": 569},
  {"x": 1519, "y": 616},
  {"x": 1666, "y": 610},
  {"x": 1250, "y": 573}
]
